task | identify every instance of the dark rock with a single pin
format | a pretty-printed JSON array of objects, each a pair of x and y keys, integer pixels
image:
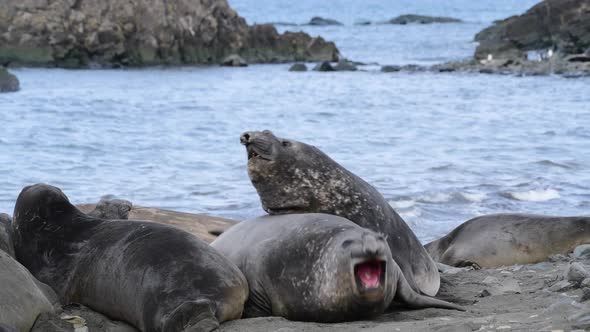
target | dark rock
[
  {"x": 484, "y": 293},
  {"x": 266, "y": 43},
  {"x": 561, "y": 23},
  {"x": 345, "y": 65},
  {"x": 285, "y": 24},
  {"x": 390, "y": 69},
  {"x": 579, "y": 58},
  {"x": 320, "y": 21},
  {"x": 421, "y": 19},
  {"x": 323, "y": 66},
  {"x": 298, "y": 67},
  {"x": 585, "y": 294},
  {"x": 234, "y": 60},
  {"x": 109, "y": 34},
  {"x": 8, "y": 82},
  {"x": 363, "y": 22}
]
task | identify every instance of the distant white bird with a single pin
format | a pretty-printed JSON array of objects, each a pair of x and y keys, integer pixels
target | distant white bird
[
  {"x": 490, "y": 57},
  {"x": 549, "y": 53}
]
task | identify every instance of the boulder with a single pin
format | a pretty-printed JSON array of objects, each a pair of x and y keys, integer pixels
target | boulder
[
  {"x": 320, "y": 21},
  {"x": 421, "y": 19},
  {"x": 564, "y": 24},
  {"x": 112, "y": 33},
  {"x": 8, "y": 82},
  {"x": 234, "y": 60},
  {"x": 298, "y": 67},
  {"x": 323, "y": 66}
]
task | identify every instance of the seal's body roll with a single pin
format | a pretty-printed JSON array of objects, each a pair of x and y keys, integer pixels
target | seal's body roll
[
  {"x": 508, "y": 239},
  {"x": 293, "y": 177},
  {"x": 6, "y": 244},
  {"x": 317, "y": 267},
  {"x": 153, "y": 276},
  {"x": 22, "y": 297}
]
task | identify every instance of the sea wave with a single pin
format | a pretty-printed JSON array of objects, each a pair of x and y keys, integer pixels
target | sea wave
[{"x": 533, "y": 195}]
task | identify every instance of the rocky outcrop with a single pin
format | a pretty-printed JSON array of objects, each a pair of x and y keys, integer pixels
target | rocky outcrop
[
  {"x": 8, "y": 82},
  {"x": 80, "y": 33},
  {"x": 422, "y": 19},
  {"x": 298, "y": 67},
  {"x": 320, "y": 21},
  {"x": 560, "y": 24}
]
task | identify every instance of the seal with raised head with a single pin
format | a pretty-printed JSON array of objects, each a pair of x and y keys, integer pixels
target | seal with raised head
[
  {"x": 153, "y": 276},
  {"x": 317, "y": 267},
  {"x": 294, "y": 177},
  {"x": 110, "y": 207},
  {"x": 508, "y": 239}
]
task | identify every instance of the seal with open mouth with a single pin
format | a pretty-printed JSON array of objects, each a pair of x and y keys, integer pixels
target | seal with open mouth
[
  {"x": 317, "y": 267},
  {"x": 293, "y": 177},
  {"x": 153, "y": 276}
]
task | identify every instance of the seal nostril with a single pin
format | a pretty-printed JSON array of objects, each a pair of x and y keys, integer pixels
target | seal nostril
[{"x": 245, "y": 138}]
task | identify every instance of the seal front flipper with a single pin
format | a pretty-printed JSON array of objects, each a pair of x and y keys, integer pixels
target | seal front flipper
[
  {"x": 406, "y": 295},
  {"x": 192, "y": 316}
]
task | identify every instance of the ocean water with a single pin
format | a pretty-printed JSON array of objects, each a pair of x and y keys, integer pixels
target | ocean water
[{"x": 442, "y": 148}]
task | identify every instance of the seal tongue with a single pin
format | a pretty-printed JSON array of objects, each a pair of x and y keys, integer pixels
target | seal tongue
[{"x": 369, "y": 273}]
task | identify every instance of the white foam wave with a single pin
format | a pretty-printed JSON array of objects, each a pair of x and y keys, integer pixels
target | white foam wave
[
  {"x": 402, "y": 204},
  {"x": 534, "y": 195},
  {"x": 474, "y": 197},
  {"x": 437, "y": 198}
]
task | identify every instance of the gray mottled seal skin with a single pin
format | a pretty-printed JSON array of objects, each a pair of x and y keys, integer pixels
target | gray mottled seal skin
[
  {"x": 110, "y": 207},
  {"x": 293, "y": 177},
  {"x": 154, "y": 276},
  {"x": 22, "y": 297},
  {"x": 6, "y": 244},
  {"x": 509, "y": 239},
  {"x": 317, "y": 267}
]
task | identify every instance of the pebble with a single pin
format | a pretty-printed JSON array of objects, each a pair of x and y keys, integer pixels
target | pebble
[{"x": 585, "y": 295}]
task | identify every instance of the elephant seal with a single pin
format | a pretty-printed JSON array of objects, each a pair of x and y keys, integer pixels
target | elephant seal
[
  {"x": 293, "y": 177},
  {"x": 317, "y": 267},
  {"x": 22, "y": 297},
  {"x": 6, "y": 244},
  {"x": 153, "y": 276},
  {"x": 508, "y": 239},
  {"x": 110, "y": 207}
]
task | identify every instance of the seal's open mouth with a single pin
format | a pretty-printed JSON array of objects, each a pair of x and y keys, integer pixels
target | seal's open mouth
[
  {"x": 369, "y": 275},
  {"x": 255, "y": 153}
]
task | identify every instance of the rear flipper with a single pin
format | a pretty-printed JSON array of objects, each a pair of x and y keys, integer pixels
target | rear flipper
[
  {"x": 406, "y": 295},
  {"x": 193, "y": 316}
]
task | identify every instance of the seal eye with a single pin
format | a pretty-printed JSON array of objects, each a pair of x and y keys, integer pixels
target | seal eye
[
  {"x": 346, "y": 243},
  {"x": 286, "y": 143}
]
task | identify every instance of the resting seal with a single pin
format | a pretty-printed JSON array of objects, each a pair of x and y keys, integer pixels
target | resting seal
[
  {"x": 6, "y": 244},
  {"x": 293, "y": 177},
  {"x": 156, "y": 277},
  {"x": 22, "y": 297},
  {"x": 509, "y": 239},
  {"x": 317, "y": 267},
  {"x": 110, "y": 207}
]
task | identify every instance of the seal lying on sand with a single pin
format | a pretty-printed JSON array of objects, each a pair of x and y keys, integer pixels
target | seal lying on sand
[
  {"x": 509, "y": 239},
  {"x": 154, "y": 276},
  {"x": 293, "y": 177},
  {"x": 22, "y": 297},
  {"x": 317, "y": 267}
]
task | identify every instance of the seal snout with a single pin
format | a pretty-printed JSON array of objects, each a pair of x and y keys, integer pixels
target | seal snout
[
  {"x": 258, "y": 144},
  {"x": 245, "y": 138}
]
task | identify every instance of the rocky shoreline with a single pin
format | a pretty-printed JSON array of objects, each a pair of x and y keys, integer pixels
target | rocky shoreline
[{"x": 82, "y": 34}]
